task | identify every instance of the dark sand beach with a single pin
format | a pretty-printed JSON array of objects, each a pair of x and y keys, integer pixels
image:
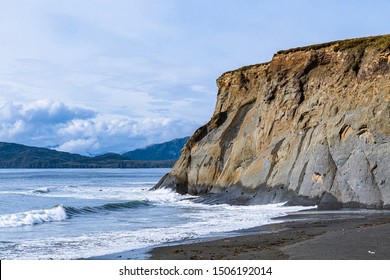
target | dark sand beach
[
  {"x": 306, "y": 235},
  {"x": 342, "y": 235}
]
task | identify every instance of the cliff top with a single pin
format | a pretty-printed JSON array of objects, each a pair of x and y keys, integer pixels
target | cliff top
[{"x": 382, "y": 42}]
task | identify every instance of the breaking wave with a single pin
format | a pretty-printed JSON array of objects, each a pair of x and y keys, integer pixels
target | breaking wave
[
  {"x": 42, "y": 190},
  {"x": 73, "y": 211},
  {"x": 60, "y": 213},
  {"x": 33, "y": 217}
]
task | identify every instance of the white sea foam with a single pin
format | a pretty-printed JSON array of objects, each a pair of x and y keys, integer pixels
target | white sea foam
[
  {"x": 89, "y": 192},
  {"x": 128, "y": 191},
  {"x": 35, "y": 192},
  {"x": 205, "y": 220},
  {"x": 140, "y": 193},
  {"x": 33, "y": 217},
  {"x": 163, "y": 196},
  {"x": 42, "y": 190},
  {"x": 123, "y": 215}
]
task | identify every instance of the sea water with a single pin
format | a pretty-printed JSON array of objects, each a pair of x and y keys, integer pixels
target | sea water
[{"x": 82, "y": 213}]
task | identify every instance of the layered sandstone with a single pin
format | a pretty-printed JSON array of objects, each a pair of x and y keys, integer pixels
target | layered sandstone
[{"x": 312, "y": 125}]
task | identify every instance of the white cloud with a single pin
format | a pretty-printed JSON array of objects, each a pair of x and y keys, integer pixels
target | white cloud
[
  {"x": 37, "y": 122},
  {"x": 49, "y": 111},
  {"x": 80, "y": 146},
  {"x": 119, "y": 133},
  {"x": 79, "y": 130},
  {"x": 42, "y": 112}
]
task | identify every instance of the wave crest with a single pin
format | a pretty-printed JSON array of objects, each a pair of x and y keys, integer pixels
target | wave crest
[
  {"x": 71, "y": 211},
  {"x": 33, "y": 217},
  {"x": 42, "y": 190}
]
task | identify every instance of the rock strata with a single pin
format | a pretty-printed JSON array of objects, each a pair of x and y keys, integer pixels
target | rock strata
[{"x": 309, "y": 127}]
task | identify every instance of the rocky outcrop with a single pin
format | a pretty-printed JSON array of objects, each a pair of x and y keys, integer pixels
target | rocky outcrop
[{"x": 311, "y": 126}]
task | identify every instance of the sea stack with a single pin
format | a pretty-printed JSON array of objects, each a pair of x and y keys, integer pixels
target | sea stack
[{"x": 312, "y": 126}]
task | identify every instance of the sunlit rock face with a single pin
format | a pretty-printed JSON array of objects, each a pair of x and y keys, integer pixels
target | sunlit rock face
[{"x": 310, "y": 126}]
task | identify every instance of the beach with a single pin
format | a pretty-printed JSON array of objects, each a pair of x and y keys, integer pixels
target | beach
[
  {"x": 338, "y": 235},
  {"x": 58, "y": 220},
  {"x": 86, "y": 213}
]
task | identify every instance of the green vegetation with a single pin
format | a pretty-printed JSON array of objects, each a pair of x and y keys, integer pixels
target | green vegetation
[
  {"x": 381, "y": 42},
  {"x": 243, "y": 68},
  {"x": 21, "y": 156},
  {"x": 164, "y": 151},
  {"x": 307, "y": 48}
]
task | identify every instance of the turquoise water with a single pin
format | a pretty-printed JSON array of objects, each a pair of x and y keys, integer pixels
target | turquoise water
[{"x": 81, "y": 213}]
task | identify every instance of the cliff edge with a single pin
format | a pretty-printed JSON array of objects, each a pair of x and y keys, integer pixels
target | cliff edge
[{"x": 312, "y": 126}]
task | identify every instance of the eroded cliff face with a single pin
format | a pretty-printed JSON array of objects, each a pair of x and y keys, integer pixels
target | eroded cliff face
[{"x": 311, "y": 126}]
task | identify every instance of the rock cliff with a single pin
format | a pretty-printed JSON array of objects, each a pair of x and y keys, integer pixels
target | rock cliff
[{"x": 312, "y": 126}]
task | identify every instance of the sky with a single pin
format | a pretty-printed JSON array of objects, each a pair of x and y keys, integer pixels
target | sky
[{"x": 97, "y": 76}]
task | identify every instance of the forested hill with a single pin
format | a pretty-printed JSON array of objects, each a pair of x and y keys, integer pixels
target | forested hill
[
  {"x": 165, "y": 151},
  {"x": 21, "y": 156}
]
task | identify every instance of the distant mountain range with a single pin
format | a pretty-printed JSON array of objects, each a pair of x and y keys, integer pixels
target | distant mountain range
[
  {"x": 154, "y": 156},
  {"x": 165, "y": 151}
]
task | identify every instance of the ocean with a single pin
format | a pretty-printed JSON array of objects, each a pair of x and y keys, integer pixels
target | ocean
[{"x": 84, "y": 213}]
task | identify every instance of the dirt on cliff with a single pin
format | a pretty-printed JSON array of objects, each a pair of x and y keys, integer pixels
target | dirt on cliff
[{"x": 311, "y": 126}]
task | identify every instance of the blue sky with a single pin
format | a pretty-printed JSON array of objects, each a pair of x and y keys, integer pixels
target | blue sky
[{"x": 97, "y": 76}]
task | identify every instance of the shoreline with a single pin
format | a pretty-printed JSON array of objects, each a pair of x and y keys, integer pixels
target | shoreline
[
  {"x": 331, "y": 235},
  {"x": 311, "y": 234}
]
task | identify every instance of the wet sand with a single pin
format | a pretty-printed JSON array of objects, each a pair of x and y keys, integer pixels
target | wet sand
[{"x": 337, "y": 235}]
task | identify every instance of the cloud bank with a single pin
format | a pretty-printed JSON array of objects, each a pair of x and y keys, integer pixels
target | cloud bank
[{"x": 54, "y": 124}]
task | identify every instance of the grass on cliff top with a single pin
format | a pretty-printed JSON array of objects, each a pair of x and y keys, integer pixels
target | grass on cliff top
[
  {"x": 381, "y": 42},
  {"x": 243, "y": 68}
]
